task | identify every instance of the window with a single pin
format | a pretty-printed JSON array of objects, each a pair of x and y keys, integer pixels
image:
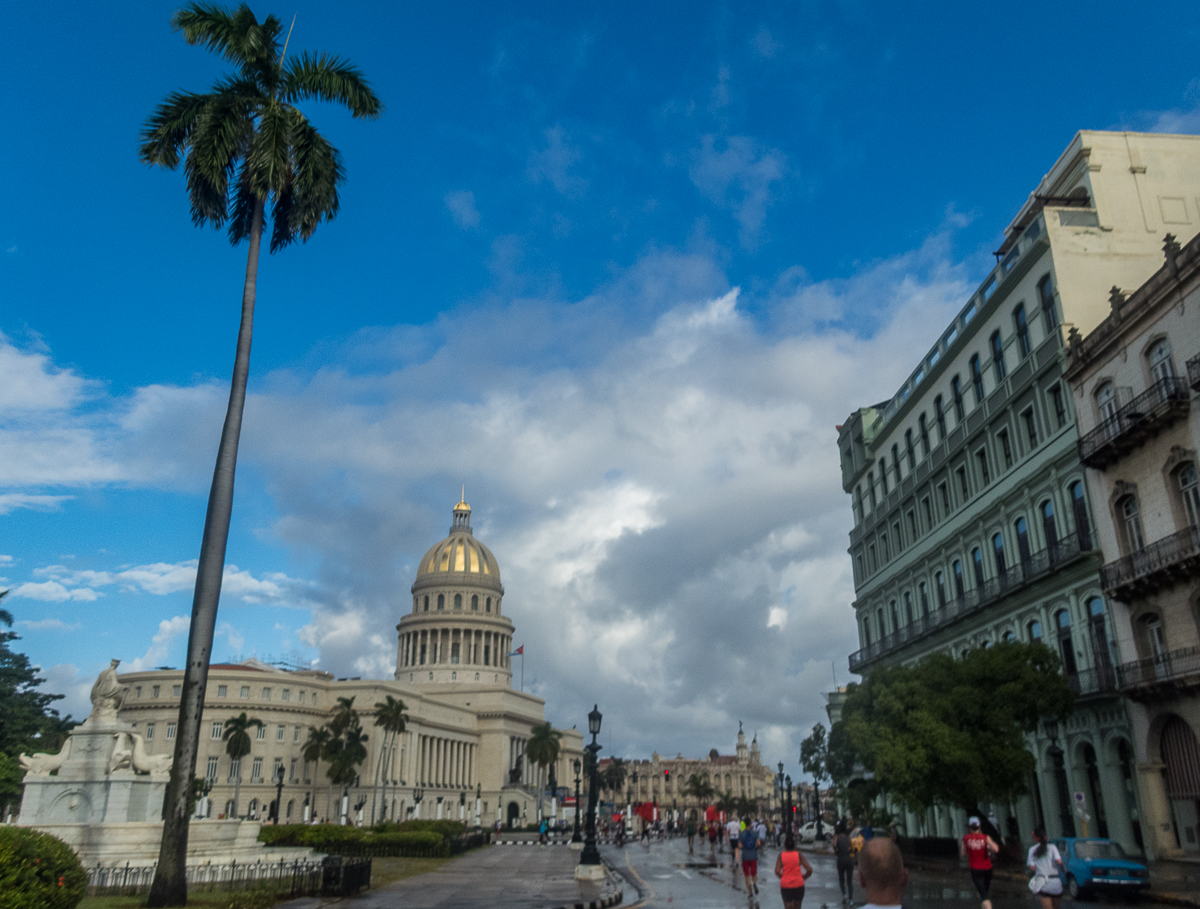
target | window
[
  {"x": 1009, "y": 637},
  {"x": 862, "y": 568},
  {"x": 1049, "y": 527},
  {"x": 1079, "y": 505},
  {"x": 939, "y": 417},
  {"x": 1098, "y": 630},
  {"x": 1155, "y": 638},
  {"x": 871, "y": 488},
  {"x": 1035, "y": 630},
  {"x": 871, "y": 556},
  {"x": 137, "y": 691},
  {"x": 261, "y": 733},
  {"x": 923, "y": 594},
  {"x": 883, "y": 545},
  {"x": 1049, "y": 313},
  {"x": 280, "y": 732},
  {"x": 1131, "y": 523},
  {"x": 879, "y": 624},
  {"x": 998, "y": 357},
  {"x": 149, "y": 731},
  {"x": 883, "y": 475},
  {"x": 923, "y": 429},
  {"x": 301, "y": 695},
  {"x": 1022, "y": 530},
  {"x": 912, "y": 525},
  {"x": 977, "y": 379},
  {"x": 1023, "y": 345},
  {"x": 256, "y": 770},
  {"x": 1058, "y": 402},
  {"x": 266, "y": 694},
  {"x": 217, "y": 729},
  {"x": 940, "y": 580},
  {"x": 960, "y": 412},
  {"x": 1106, "y": 402},
  {"x": 285, "y": 694},
  {"x": 1065, "y": 645},
  {"x": 458, "y": 601},
  {"x": 210, "y": 769},
  {"x": 295, "y": 733},
  {"x": 945, "y": 494},
  {"x": 908, "y": 613},
  {"x": 277, "y": 770},
  {"x": 959, "y": 588},
  {"x": 222, "y": 691},
  {"x": 858, "y": 504},
  {"x": 977, "y": 562},
  {"x": 235, "y": 769},
  {"x": 245, "y": 692},
  {"x": 175, "y": 690},
  {"x": 1005, "y": 448},
  {"x": 898, "y": 536},
  {"x": 981, "y": 460},
  {"x": 909, "y": 450},
  {"x": 927, "y": 511},
  {"x": 474, "y": 602},
  {"x": 292, "y": 777},
  {"x": 154, "y": 692},
  {"x": 896, "y": 463},
  {"x": 1161, "y": 366},
  {"x": 454, "y": 652},
  {"x": 487, "y": 605},
  {"x": 1030, "y": 427},
  {"x": 426, "y": 604},
  {"x": 441, "y": 601},
  {"x": 1190, "y": 494},
  {"x": 969, "y": 313},
  {"x": 998, "y": 552},
  {"x": 170, "y": 731},
  {"x": 866, "y": 632},
  {"x": 962, "y": 483}
]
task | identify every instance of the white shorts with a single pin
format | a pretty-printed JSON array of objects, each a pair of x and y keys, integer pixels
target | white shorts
[{"x": 1052, "y": 887}]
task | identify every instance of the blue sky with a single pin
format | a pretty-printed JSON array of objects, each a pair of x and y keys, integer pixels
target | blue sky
[{"x": 618, "y": 269}]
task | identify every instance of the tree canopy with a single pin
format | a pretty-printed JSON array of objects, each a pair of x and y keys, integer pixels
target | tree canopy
[
  {"x": 27, "y": 721},
  {"x": 952, "y": 731}
]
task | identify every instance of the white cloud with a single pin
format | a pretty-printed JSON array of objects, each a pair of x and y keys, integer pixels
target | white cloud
[
  {"x": 160, "y": 644},
  {"x": 54, "y": 592},
  {"x": 740, "y": 178},
  {"x": 462, "y": 208},
  {"x": 10, "y": 501},
  {"x": 75, "y": 687},
  {"x": 30, "y": 382},
  {"x": 48, "y": 625}
]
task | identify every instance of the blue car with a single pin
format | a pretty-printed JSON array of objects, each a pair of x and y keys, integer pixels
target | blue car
[{"x": 1099, "y": 864}]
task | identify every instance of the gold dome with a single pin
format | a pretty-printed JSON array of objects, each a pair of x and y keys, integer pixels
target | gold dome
[{"x": 457, "y": 555}]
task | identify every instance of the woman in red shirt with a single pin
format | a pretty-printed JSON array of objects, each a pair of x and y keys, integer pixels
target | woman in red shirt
[
  {"x": 792, "y": 868},
  {"x": 979, "y": 848}
]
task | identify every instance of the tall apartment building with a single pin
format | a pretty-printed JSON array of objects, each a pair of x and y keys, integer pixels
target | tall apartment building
[
  {"x": 1135, "y": 378},
  {"x": 972, "y": 522}
]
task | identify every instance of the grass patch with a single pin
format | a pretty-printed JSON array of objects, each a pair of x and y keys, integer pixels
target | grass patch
[{"x": 388, "y": 870}]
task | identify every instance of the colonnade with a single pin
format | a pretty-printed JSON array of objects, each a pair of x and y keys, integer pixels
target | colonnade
[
  {"x": 445, "y": 762},
  {"x": 455, "y": 646},
  {"x": 516, "y": 749}
]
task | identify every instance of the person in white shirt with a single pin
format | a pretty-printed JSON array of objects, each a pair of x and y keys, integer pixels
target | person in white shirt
[
  {"x": 882, "y": 873},
  {"x": 733, "y": 833},
  {"x": 1045, "y": 884}
]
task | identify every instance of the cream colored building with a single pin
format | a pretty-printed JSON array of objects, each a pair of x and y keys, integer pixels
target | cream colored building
[
  {"x": 463, "y": 750},
  {"x": 1135, "y": 377},
  {"x": 972, "y": 522}
]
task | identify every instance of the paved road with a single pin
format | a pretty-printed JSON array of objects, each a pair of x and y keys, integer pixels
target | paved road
[{"x": 668, "y": 877}]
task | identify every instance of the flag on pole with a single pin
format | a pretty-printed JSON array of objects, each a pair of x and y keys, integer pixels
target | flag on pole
[{"x": 520, "y": 651}]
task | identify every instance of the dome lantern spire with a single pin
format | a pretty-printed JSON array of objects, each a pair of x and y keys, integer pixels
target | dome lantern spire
[{"x": 462, "y": 515}]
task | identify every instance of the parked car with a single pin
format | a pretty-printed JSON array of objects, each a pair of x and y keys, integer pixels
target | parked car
[
  {"x": 808, "y": 833},
  {"x": 1095, "y": 864}
]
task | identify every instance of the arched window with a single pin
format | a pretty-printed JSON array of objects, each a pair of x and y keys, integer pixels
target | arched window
[
  {"x": 858, "y": 509},
  {"x": 1046, "y": 296},
  {"x": 909, "y": 450},
  {"x": 1049, "y": 527},
  {"x": 1066, "y": 648},
  {"x": 939, "y": 417},
  {"x": 959, "y": 588},
  {"x": 924, "y": 594},
  {"x": 940, "y": 580},
  {"x": 960, "y": 412},
  {"x": 1131, "y": 524},
  {"x": 427, "y": 603},
  {"x": 1009, "y": 637},
  {"x": 458, "y": 601},
  {"x": 441, "y": 601},
  {"x": 896, "y": 463},
  {"x": 1079, "y": 507},
  {"x": 866, "y": 632},
  {"x": 1101, "y": 645},
  {"x": 487, "y": 605},
  {"x": 908, "y": 613},
  {"x": 1161, "y": 365},
  {"x": 881, "y": 626},
  {"x": 1156, "y": 640},
  {"x": 1106, "y": 402},
  {"x": 977, "y": 379},
  {"x": 977, "y": 561},
  {"x": 923, "y": 429},
  {"x": 985, "y": 644},
  {"x": 1022, "y": 328},
  {"x": 1023, "y": 549},
  {"x": 895, "y": 616},
  {"x": 474, "y": 602},
  {"x": 1035, "y": 630},
  {"x": 871, "y": 488},
  {"x": 998, "y": 552},
  {"x": 1190, "y": 493},
  {"x": 883, "y": 475},
  {"x": 998, "y": 357}
]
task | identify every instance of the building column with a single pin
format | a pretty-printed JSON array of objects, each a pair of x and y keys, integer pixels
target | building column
[
  {"x": 1157, "y": 829},
  {"x": 1116, "y": 807}
]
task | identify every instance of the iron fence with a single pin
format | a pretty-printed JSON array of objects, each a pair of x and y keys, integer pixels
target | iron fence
[{"x": 332, "y": 876}]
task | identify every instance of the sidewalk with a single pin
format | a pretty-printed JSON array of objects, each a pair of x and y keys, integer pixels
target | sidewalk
[{"x": 494, "y": 877}]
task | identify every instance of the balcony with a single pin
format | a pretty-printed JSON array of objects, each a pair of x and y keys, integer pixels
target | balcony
[
  {"x": 1152, "y": 411},
  {"x": 1101, "y": 680},
  {"x": 1193, "y": 370},
  {"x": 1177, "y": 670},
  {"x": 1018, "y": 576},
  {"x": 1161, "y": 564}
]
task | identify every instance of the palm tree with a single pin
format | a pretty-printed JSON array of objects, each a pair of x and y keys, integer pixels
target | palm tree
[
  {"x": 247, "y": 128},
  {"x": 237, "y": 746},
  {"x": 344, "y": 716},
  {"x": 728, "y": 803},
  {"x": 314, "y": 750},
  {"x": 699, "y": 788},
  {"x": 543, "y": 748},
  {"x": 345, "y": 753},
  {"x": 614, "y": 776},
  {"x": 390, "y": 717}
]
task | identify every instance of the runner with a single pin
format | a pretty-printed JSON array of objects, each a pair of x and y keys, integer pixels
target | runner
[
  {"x": 712, "y": 837},
  {"x": 691, "y": 834},
  {"x": 979, "y": 848},
  {"x": 750, "y": 843},
  {"x": 844, "y": 849},
  {"x": 792, "y": 869},
  {"x": 1045, "y": 884},
  {"x": 733, "y": 832}
]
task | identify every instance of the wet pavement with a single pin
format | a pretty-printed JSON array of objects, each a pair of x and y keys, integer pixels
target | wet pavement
[{"x": 667, "y": 876}]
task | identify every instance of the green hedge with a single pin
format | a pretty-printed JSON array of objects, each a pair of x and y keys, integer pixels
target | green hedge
[
  {"x": 38, "y": 871},
  {"x": 388, "y": 839}
]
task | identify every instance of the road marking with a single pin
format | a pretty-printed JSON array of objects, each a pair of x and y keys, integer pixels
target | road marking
[{"x": 641, "y": 902}]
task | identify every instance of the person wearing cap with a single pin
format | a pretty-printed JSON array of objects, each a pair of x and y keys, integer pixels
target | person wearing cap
[{"x": 979, "y": 848}]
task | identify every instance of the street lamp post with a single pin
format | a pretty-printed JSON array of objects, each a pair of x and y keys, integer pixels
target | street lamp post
[
  {"x": 790, "y": 826},
  {"x": 577, "y": 837},
  {"x": 782, "y": 806},
  {"x": 589, "y": 866},
  {"x": 278, "y": 793}
]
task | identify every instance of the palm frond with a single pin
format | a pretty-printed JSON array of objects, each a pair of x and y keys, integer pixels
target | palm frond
[
  {"x": 282, "y": 233},
  {"x": 217, "y": 28},
  {"x": 241, "y": 220},
  {"x": 169, "y": 129},
  {"x": 319, "y": 171},
  {"x": 269, "y": 155},
  {"x": 218, "y": 140},
  {"x": 329, "y": 78}
]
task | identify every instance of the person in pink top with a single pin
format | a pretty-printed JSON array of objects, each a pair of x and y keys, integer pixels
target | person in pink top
[{"x": 792, "y": 869}]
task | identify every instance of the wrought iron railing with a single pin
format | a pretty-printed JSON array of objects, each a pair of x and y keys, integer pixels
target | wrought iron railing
[
  {"x": 332, "y": 876},
  {"x": 1193, "y": 371},
  {"x": 1152, "y": 566},
  {"x": 1168, "y": 667},
  {"x": 1024, "y": 572},
  {"x": 1157, "y": 405},
  {"x": 1097, "y": 680}
]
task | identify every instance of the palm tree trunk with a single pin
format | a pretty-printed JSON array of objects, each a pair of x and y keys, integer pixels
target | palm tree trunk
[
  {"x": 375, "y": 785},
  {"x": 170, "y": 877}
]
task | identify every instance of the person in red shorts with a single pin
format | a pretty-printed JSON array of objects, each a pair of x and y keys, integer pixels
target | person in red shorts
[
  {"x": 979, "y": 848},
  {"x": 749, "y": 844},
  {"x": 792, "y": 869}
]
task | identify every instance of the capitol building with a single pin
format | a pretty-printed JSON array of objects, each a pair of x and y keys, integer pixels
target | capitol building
[{"x": 462, "y": 753}]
